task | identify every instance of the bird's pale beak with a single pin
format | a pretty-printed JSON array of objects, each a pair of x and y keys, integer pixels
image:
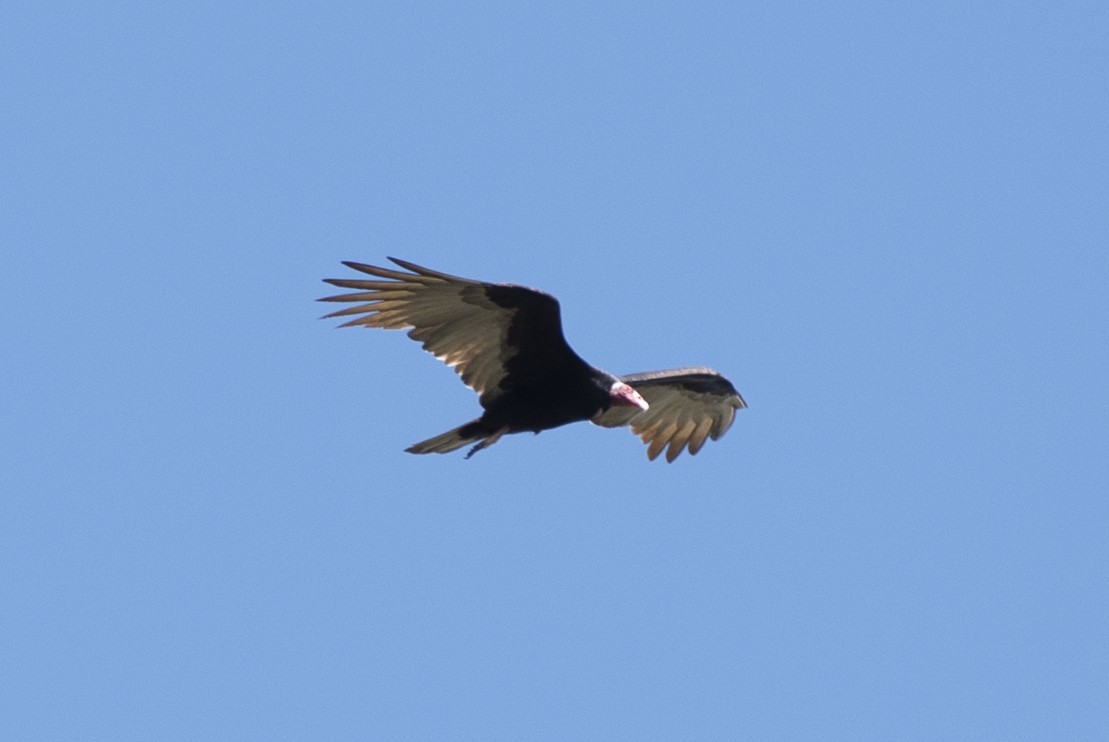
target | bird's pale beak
[{"x": 623, "y": 395}]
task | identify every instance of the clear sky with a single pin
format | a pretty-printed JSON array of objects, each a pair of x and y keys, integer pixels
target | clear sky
[{"x": 887, "y": 223}]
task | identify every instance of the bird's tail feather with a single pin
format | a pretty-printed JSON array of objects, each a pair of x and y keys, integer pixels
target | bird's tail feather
[
  {"x": 452, "y": 440},
  {"x": 455, "y": 439}
]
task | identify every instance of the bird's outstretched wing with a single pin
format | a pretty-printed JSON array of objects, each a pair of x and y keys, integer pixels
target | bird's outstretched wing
[
  {"x": 493, "y": 335},
  {"x": 687, "y": 405}
]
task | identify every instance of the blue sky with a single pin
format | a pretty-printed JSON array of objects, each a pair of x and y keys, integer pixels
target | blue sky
[{"x": 887, "y": 225}]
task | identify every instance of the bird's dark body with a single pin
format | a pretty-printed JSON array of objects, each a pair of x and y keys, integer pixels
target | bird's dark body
[
  {"x": 545, "y": 384},
  {"x": 556, "y": 398}
]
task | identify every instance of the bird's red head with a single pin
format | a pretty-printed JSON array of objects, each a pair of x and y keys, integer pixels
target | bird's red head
[{"x": 622, "y": 395}]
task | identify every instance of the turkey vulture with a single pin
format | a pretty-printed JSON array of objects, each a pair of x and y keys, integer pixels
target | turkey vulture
[{"x": 506, "y": 343}]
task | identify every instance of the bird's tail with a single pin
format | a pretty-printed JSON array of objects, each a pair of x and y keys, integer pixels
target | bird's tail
[{"x": 455, "y": 439}]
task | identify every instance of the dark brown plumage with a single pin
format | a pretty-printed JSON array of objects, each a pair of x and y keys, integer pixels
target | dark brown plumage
[{"x": 506, "y": 343}]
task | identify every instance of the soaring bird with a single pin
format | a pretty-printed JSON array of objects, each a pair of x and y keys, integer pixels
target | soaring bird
[{"x": 506, "y": 343}]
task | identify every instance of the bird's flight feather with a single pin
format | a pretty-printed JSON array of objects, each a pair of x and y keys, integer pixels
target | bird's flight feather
[
  {"x": 687, "y": 406},
  {"x": 485, "y": 331}
]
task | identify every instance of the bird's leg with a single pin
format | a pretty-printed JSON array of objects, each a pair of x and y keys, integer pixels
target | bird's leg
[{"x": 486, "y": 442}]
